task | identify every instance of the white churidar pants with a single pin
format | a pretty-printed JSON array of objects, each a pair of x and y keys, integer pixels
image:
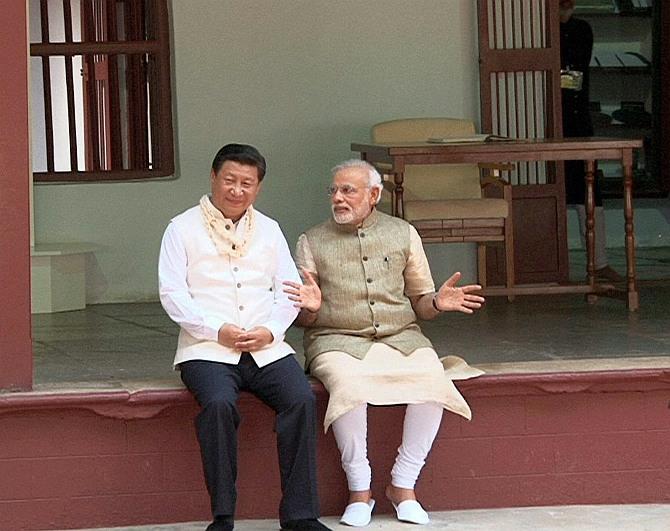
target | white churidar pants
[{"x": 420, "y": 427}]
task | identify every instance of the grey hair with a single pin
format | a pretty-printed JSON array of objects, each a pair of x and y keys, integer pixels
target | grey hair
[{"x": 374, "y": 178}]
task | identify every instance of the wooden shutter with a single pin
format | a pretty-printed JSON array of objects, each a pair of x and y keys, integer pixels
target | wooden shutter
[
  {"x": 123, "y": 49},
  {"x": 519, "y": 55}
]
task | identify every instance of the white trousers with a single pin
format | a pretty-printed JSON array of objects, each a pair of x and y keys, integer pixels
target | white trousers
[
  {"x": 420, "y": 427},
  {"x": 598, "y": 229}
]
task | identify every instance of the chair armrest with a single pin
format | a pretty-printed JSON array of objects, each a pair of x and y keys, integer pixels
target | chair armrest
[
  {"x": 388, "y": 184},
  {"x": 387, "y": 174},
  {"x": 499, "y": 166},
  {"x": 492, "y": 174},
  {"x": 493, "y": 180}
]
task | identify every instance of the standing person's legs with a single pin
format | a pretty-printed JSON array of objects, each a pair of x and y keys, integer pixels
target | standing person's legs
[
  {"x": 600, "y": 259},
  {"x": 283, "y": 386},
  {"x": 575, "y": 192},
  {"x": 216, "y": 387}
]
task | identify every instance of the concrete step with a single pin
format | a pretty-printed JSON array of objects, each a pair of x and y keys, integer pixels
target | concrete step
[{"x": 652, "y": 517}]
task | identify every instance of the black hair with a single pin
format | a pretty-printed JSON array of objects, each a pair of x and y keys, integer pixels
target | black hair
[{"x": 243, "y": 154}]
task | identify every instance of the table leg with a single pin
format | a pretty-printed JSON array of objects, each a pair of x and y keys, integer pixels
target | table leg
[
  {"x": 590, "y": 224},
  {"x": 633, "y": 297},
  {"x": 398, "y": 178}
]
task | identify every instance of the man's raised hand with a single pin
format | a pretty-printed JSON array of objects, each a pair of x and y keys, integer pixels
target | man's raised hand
[
  {"x": 306, "y": 295},
  {"x": 451, "y": 297}
]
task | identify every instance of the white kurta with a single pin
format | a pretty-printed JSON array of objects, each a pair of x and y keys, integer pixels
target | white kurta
[{"x": 202, "y": 290}]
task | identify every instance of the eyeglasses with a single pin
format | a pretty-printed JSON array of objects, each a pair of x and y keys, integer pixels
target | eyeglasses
[{"x": 345, "y": 189}]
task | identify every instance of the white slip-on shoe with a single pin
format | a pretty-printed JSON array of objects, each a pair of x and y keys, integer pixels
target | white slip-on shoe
[
  {"x": 358, "y": 514},
  {"x": 412, "y": 512}
]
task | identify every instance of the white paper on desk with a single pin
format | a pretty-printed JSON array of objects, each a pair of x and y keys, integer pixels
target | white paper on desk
[
  {"x": 610, "y": 59},
  {"x": 632, "y": 59}
]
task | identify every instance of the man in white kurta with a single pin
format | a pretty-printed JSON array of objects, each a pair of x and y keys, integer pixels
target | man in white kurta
[
  {"x": 221, "y": 268},
  {"x": 366, "y": 281}
]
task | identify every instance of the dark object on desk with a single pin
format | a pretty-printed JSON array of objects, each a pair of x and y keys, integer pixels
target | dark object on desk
[
  {"x": 600, "y": 119},
  {"x": 633, "y": 113},
  {"x": 634, "y": 6}
]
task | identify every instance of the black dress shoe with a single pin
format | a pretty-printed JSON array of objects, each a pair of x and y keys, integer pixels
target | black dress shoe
[
  {"x": 222, "y": 523},
  {"x": 308, "y": 524}
]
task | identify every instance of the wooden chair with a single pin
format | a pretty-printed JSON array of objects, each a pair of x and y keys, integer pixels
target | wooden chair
[{"x": 447, "y": 202}]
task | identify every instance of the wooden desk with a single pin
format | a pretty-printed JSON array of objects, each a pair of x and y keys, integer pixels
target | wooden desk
[{"x": 587, "y": 149}]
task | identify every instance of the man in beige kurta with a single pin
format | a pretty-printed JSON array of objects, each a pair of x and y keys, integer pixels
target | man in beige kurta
[{"x": 366, "y": 279}]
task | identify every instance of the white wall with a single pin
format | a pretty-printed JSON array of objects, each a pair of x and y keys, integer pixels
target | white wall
[{"x": 298, "y": 79}]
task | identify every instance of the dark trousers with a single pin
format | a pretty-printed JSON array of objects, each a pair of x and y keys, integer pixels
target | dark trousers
[
  {"x": 577, "y": 123},
  {"x": 282, "y": 385},
  {"x": 575, "y": 184}
]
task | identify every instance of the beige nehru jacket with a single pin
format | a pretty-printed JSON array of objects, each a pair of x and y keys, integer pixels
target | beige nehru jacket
[{"x": 366, "y": 275}]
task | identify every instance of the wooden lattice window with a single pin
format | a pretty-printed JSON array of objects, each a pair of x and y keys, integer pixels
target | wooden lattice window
[{"x": 101, "y": 98}]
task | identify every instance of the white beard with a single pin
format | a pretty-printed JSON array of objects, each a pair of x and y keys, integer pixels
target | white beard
[
  {"x": 351, "y": 215},
  {"x": 342, "y": 218}
]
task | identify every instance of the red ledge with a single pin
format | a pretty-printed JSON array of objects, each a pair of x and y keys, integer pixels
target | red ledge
[
  {"x": 124, "y": 404},
  {"x": 147, "y": 403},
  {"x": 567, "y": 382}
]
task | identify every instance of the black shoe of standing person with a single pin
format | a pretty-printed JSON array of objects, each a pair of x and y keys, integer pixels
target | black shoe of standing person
[
  {"x": 308, "y": 524},
  {"x": 222, "y": 523}
]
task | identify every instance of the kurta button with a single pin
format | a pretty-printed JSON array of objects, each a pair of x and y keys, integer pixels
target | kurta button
[
  {"x": 362, "y": 235},
  {"x": 365, "y": 259},
  {"x": 369, "y": 281},
  {"x": 227, "y": 227},
  {"x": 233, "y": 247},
  {"x": 241, "y": 308},
  {"x": 372, "y": 303},
  {"x": 239, "y": 285},
  {"x": 376, "y": 325},
  {"x": 235, "y": 269}
]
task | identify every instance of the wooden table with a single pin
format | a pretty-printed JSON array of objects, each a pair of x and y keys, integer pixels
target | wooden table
[{"x": 587, "y": 149}]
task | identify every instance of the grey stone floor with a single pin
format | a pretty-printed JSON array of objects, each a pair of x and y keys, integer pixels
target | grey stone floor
[
  {"x": 576, "y": 518},
  {"x": 121, "y": 345}
]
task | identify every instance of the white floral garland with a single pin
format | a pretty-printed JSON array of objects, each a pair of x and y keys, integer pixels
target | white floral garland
[{"x": 222, "y": 230}]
